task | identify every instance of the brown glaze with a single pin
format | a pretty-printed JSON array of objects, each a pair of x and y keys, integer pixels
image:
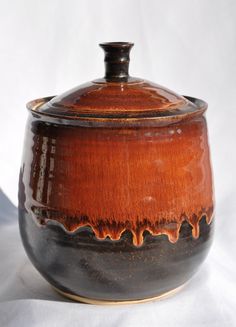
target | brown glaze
[
  {"x": 115, "y": 158},
  {"x": 117, "y": 95},
  {"x": 140, "y": 98},
  {"x": 116, "y": 61},
  {"x": 109, "y": 270},
  {"x": 154, "y": 179}
]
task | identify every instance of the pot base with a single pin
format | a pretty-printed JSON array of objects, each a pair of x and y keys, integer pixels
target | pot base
[{"x": 86, "y": 300}]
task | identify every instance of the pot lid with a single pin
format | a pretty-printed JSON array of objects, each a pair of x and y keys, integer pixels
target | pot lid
[{"x": 118, "y": 95}]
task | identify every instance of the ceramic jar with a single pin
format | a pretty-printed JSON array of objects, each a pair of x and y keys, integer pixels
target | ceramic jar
[{"x": 115, "y": 191}]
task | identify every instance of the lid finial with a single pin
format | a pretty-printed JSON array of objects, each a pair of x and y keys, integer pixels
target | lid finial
[{"x": 116, "y": 60}]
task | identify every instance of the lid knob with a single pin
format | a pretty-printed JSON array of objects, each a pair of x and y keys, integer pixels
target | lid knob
[{"x": 116, "y": 60}]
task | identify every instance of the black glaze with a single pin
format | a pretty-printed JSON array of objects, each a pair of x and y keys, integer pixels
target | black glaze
[
  {"x": 113, "y": 270},
  {"x": 116, "y": 60}
]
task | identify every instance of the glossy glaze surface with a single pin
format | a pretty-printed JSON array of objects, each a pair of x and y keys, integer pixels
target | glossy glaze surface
[
  {"x": 137, "y": 99},
  {"x": 118, "y": 95},
  {"x": 118, "y": 179},
  {"x": 80, "y": 264},
  {"x": 116, "y": 193}
]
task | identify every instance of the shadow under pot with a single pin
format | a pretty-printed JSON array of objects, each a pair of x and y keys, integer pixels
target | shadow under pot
[{"x": 115, "y": 191}]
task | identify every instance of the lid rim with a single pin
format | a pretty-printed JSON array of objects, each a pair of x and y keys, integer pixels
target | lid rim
[{"x": 201, "y": 107}]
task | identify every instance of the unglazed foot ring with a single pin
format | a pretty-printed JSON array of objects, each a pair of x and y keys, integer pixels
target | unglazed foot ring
[{"x": 82, "y": 299}]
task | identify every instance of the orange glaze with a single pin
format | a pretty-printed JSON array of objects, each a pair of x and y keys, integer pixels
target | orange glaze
[{"x": 115, "y": 179}]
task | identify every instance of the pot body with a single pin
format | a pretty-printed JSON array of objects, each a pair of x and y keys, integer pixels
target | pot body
[{"x": 116, "y": 213}]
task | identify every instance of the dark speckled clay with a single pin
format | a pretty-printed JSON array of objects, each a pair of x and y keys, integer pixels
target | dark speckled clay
[{"x": 116, "y": 192}]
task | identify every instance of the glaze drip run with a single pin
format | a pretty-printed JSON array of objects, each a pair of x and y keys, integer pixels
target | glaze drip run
[{"x": 105, "y": 228}]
